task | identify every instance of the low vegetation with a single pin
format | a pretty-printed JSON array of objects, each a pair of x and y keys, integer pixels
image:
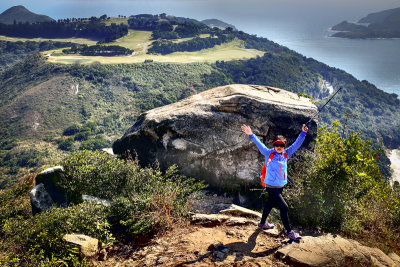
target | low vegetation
[
  {"x": 340, "y": 189},
  {"x": 14, "y": 51},
  {"x": 145, "y": 202},
  {"x": 195, "y": 44},
  {"x": 83, "y": 27}
]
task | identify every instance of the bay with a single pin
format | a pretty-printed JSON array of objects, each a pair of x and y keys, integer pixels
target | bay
[{"x": 300, "y": 25}]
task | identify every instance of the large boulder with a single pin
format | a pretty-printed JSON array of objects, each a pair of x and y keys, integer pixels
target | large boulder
[
  {"x": 40, "y": 199},
  {"x": 47, "y": 190},
  {"x": 201, "y": 134},
  {"x": 333, "y": 250}
]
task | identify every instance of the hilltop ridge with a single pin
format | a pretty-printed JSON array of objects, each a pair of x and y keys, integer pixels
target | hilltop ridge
[
  {"x": 21, "y": 14},
  {"x": 218, "y": 23}
]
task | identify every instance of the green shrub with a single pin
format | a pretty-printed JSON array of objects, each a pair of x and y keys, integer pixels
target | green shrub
[
  {"x": 66, "y": 144},
  {"x": 342, "y": 189},
  {"x": 83, "y": 135},
  {"x": 94, "y": 173},
  {"x": 71, "y": 130},
  {"x": 95, "y": 143},
  {"x": 155, "y": 201},
  {"x": 143, "y": 198},
  {"x": 39, "y": 240},
  {"x": 15, "y": 201},
  {"x": 90, "y": 125}
]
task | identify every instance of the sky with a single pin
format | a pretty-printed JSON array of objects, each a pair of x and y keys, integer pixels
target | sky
[{"x": 198, "y": 9}]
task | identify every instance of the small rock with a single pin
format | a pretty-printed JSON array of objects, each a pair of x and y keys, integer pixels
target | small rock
[
  {"x": 239, "y": 257},
  {"x": 230, "y": 233},
  {"x": 96, "y": 200},
  {"x": 215, "y": 246},
  {"x": 261, "y": 244},
  {"x": 160, "y": 260},
  {"x": 225, "y": 250},
  {"x": 87, "y": 245},
  {"x": 272, "y": 232},
  {"x": 218, "y": 256},
  {"x": 235, "y": 210},
  {"x": 102, "y": 255},
  {"x": 209, "y": 220},
  {"x": 129, "y": 262},
  {"x": 239, "y": 221}
]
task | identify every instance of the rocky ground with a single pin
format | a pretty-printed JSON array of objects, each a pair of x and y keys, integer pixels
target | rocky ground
[{"x": 227, "y": 235}]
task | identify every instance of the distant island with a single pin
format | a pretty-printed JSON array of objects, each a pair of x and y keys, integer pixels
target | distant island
[
  {"x": 384, "y": 24},
  {"x": 19, "y": 14}
]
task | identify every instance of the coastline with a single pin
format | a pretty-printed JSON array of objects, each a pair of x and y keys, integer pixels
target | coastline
[
  {"x": 330, "y": 36},
  {"x": 333, "y": 32}
]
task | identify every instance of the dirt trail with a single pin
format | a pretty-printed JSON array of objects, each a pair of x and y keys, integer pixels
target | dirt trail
[{"x": 194, "y": 245}]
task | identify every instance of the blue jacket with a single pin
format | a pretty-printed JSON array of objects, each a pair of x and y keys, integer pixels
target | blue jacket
[{"x": 277, "y": 169}]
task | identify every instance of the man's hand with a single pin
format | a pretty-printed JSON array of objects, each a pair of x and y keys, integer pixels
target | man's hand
[
  {"x": 246, "y": 129},
  {"x": 304, "y": 128}
]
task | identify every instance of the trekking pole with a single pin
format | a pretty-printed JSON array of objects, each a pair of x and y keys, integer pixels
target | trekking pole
[{"x": 315, "y": 115}]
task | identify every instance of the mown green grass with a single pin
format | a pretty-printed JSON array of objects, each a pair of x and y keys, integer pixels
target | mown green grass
[
  {"x": 190, "y": 38},
  {"x": 136, "y": 40},
  {"x": 227, "y": 51}
]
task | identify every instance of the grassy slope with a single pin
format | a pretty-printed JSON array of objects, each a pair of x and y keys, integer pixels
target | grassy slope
[
  {"x": 36, "y": 108},
  {"x": 227, "y": 51},
  {"x": 136, "y": 40}
]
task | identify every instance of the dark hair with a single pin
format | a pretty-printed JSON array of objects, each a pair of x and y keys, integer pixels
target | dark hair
[{"x": 280, "y": 138}]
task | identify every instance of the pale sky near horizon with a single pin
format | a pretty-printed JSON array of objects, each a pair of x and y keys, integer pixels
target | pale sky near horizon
[{"x": 68, "y": 8}]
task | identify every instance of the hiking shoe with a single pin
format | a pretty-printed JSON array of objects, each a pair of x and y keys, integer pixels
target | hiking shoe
[
  {"x": 293, "y": 235},
  {"x": 265, "y": 226}
]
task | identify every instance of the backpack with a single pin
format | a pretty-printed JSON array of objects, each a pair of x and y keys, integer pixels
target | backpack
[{"x": 265, "y": 167}]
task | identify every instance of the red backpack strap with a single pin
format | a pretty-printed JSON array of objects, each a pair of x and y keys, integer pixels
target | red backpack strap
[
  {"x": 264, "y": 169},
  {"x": 285, "y": 154}
]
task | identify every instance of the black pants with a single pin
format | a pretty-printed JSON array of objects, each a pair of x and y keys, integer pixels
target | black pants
[{"x": 275, "y": 199}]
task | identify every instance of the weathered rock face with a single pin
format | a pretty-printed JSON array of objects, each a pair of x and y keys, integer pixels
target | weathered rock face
[
  {"x": 329, "y": 250},
  {"x": 46, "y": 192},
  {"x": 40, "y": 199},
  {"x": 202, "y": 135}
]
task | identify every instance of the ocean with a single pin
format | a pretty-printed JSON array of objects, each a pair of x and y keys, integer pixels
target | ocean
[{"x": 302, "y": 26}]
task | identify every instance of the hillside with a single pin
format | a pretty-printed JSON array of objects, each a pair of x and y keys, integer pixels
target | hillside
[
  {"x": 218, "y": 23},
  {"x": 102, "y": 100},
  {"x": 384, "y": 24},
  {"x": 19, "y": 14},
  {"x": 379, "y": 17}
]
